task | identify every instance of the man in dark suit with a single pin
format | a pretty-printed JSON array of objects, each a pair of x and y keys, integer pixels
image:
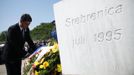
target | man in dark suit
[{"x": 14, "y": 50}]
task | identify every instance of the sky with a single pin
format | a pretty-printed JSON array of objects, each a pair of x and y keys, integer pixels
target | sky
[{"x": 11, "y": 11}]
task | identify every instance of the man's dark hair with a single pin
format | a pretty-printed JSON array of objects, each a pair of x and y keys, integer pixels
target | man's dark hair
[{"x": 26, "y": 17}]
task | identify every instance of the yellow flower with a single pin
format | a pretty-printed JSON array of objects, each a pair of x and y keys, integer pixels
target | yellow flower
[
  {"x": 59, "y": 68},
  {"x": 55, "y": 48},
  {"x": 41, "y": 66},
  {"x": 36, "y": 73},
  {"x": 45, "y": 64},
  {"x": 36, "y": 63},
  {"x": 55, "y": 45}
]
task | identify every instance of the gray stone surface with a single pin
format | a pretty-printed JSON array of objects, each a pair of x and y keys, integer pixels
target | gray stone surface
[
  {"x": 2, "y": 70},
  {"x": 95, "y": 37}
]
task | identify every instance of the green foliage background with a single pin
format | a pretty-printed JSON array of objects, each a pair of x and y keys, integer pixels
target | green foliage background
[
  {"x": 3, "y": 37},
  {"x": 41, "y": 32}
]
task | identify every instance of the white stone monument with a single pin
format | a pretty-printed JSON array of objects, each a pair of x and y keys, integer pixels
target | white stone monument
[{"x": 96, "y": 37}]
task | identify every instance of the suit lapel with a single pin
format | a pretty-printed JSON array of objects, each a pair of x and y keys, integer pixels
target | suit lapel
[{"x": 19, "y": 32}]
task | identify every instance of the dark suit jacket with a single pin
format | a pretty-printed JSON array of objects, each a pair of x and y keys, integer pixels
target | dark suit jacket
[{"x": 14, "y": 47}]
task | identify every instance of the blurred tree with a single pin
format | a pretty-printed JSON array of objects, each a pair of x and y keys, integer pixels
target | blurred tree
[
  {"x": 42, "y": 31},
  {"x": 3, "y": 36}
]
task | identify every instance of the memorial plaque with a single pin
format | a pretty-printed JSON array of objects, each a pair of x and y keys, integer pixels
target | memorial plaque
[{"x": 96, "y": 37}]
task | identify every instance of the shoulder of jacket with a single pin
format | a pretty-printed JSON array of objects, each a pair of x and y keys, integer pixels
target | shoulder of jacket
[{"x": 15, "y": 26}]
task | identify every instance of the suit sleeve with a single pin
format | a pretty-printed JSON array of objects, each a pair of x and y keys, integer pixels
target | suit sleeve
[
  {"x": 30, "y": 42},
  {"x": 12, "y": 39}
]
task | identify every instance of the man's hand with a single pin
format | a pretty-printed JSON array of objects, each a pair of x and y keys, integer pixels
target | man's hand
[{"x": 26, "y": 56}]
